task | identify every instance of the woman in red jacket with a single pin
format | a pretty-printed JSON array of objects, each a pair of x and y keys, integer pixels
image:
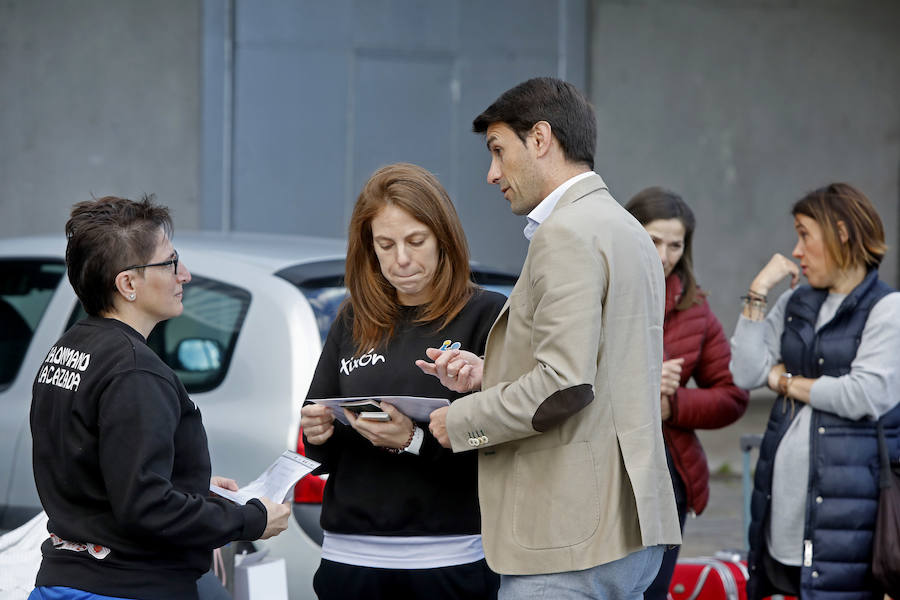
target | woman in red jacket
[{"x": 694, "y": 346}]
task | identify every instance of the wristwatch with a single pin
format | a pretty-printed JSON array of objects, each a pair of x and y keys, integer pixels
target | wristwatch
[{"x": 784, "y": 381}]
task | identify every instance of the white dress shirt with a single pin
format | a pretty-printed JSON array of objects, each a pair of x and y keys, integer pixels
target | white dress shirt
[{"x": 542, "y": 210}]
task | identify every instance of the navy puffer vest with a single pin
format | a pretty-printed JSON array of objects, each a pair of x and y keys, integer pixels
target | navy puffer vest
[{"x": 843, "y": 470}]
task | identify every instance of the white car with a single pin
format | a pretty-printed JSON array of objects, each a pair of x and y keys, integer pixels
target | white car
[{"x": 255, "y": 315}]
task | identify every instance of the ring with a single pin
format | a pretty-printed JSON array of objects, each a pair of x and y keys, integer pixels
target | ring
[{"x": 451, "y": 376}]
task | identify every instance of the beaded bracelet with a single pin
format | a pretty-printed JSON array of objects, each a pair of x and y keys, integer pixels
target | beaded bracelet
[
  {"x": 754, "y": 302},
  {"x": 757, "y": 306},
  {"x": 409, "y": 440},
  {"x": 756, "y": 295}
]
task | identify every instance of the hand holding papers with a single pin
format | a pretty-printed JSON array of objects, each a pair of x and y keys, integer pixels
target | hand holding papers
[
  {"x": 367, "y": 409},
  {"x": 417, "y": 408},
  {"x": 275, "y": 482}
]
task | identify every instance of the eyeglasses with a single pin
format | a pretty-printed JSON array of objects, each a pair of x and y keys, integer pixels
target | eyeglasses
[{"x": 165, "y": 263}]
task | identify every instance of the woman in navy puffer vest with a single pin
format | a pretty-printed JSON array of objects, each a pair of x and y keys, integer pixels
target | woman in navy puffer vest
[
  {"x": 694, "y": 347},
  {"x": 829, "y": 349}
]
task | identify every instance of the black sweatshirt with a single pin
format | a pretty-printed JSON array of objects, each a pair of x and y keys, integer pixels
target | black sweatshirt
[
  {"x": 371, "y": 491},
  {"x": 122, "y": 467}
]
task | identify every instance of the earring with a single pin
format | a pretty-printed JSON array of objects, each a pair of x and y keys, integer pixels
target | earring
[{"x": 131, "y": 297}]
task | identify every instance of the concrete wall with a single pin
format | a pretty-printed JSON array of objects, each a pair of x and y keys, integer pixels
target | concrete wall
[
  {"x": 97, "y": 97},
  {"x": 323, "y": 93},
  {"x": 742, "y": 107}
]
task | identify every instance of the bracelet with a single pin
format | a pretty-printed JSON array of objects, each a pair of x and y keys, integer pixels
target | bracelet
[
  {"x": 409, "y": 440},
  {"x": 754, "y": 300},
  {"x": 415, "y": 444},
  {"x": 757, "y": 295},
  {"x": 784, "y": 384},
  {"x": 754, "y": 303}
]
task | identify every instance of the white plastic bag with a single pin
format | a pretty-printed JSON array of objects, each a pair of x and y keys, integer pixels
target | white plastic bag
[
  {"x": 259, "y": 577},
  {"x": 20, "y": 557}
]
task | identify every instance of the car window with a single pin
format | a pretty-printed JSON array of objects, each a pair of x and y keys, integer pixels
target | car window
[
  {"x": 323, "y": 285},
  {"x": 497, "y": 282},
  {"x": 325, "y": 298},
  {"x": 26, "y": 287},
  {"x": 198, "y": 344}
]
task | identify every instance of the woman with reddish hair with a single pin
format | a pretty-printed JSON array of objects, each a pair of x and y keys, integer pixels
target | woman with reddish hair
[{"x": 400, "y": 512}]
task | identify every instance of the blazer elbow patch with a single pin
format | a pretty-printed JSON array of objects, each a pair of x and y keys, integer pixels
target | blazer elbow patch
[{"x": 561, "y": 405}]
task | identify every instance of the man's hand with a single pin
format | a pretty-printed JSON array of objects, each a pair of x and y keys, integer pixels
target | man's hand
[
  {"x": 276, "y": 517},
  {"x": 317, "y": 422},
  {"x": 438, "y": 426},
  {"x": 458, "y": 370}
]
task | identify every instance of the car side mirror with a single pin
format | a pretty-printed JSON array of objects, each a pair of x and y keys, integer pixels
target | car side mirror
[{"x": 199, "y": 354}]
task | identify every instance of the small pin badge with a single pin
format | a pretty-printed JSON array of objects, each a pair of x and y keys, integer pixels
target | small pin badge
[{"x": 448, "y": 345}]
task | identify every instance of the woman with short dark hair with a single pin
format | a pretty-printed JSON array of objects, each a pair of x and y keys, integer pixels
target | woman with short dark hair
[
  {"x": 400, "y": 512},
  {"x": 119, "y": 450},
  {"x": 829, "y": 350}
]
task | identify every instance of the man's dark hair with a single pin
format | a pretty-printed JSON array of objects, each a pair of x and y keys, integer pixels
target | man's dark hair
[
  {"x": 558, "y": 102},
  {"x": 105, "y": 236}
]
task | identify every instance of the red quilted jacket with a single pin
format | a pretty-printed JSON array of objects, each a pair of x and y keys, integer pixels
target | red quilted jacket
[{"x": 695, "y": 334}]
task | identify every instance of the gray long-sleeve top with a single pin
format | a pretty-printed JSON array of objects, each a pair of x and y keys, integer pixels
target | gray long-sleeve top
[{"x": 870, "y": 389}]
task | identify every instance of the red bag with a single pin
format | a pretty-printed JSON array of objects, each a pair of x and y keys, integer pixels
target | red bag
[
  {"x": 708, "y": 579},
  {"x": 724, "y": 576}
]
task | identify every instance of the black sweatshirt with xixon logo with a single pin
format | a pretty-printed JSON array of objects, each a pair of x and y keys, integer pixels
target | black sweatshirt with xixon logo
[{"x": 371, "y": 491}]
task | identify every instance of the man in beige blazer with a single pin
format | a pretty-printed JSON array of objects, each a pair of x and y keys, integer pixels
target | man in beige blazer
[{"x": 576, "y": 498}]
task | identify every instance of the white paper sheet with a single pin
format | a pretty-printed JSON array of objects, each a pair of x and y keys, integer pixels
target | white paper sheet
[
  {"x": 417, "y": 408},
  {"x": 275, "y": 483}
]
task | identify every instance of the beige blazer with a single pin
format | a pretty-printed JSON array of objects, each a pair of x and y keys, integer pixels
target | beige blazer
[{"x": 571, "y": 468}]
